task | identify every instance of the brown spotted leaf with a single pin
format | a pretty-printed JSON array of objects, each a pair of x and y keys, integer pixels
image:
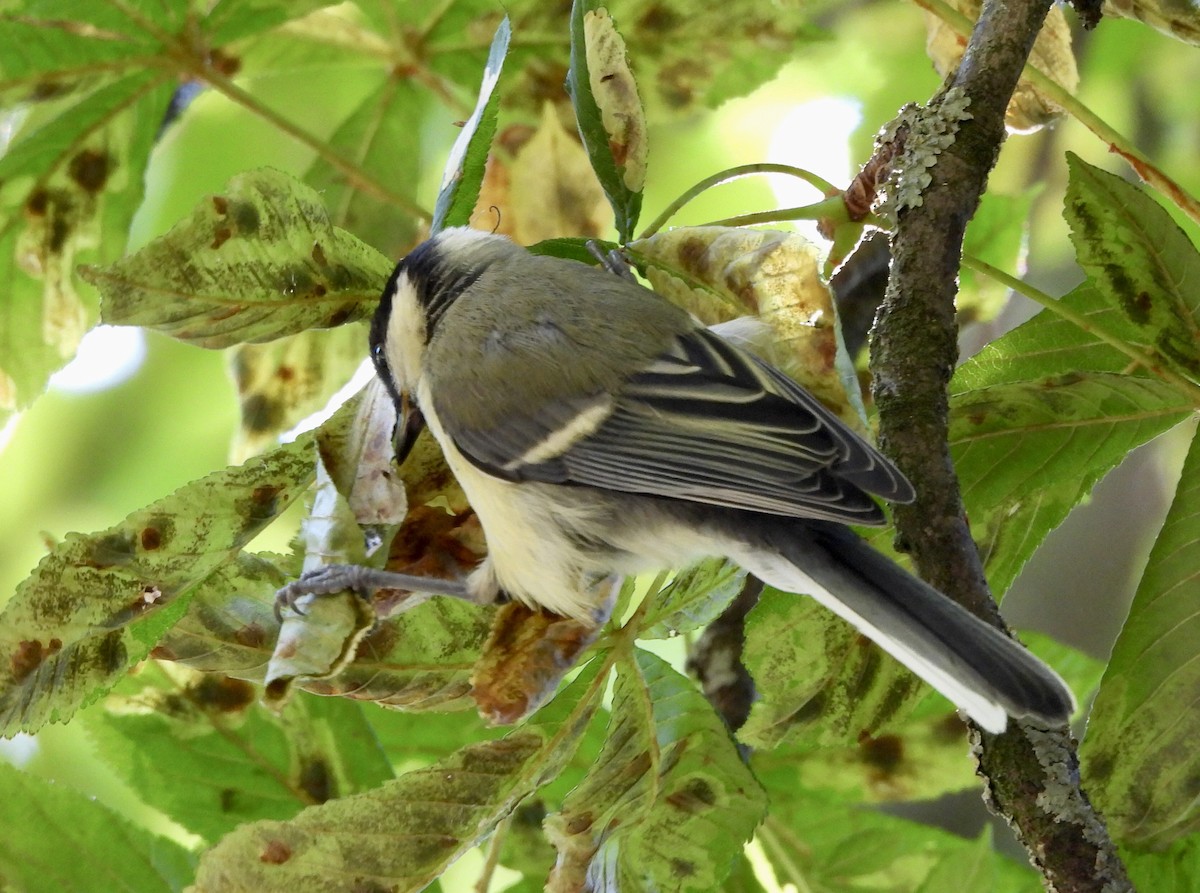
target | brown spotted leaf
[
  {"x": 98, "y": 603},
  {"x": 419, "y": 660},
  {"x": 401, "y": 836},
  {"x": 668, "y": 804},
  {"x": 256, "y": 262},
  {"x": 165, "y": 727},
  {"x": 357, "y": 450},
  {"x": 918, "y": 757},
  {"x": 817, "y": 677},
  {"x": 525, "y": 658},
  {"x": 282, "y": 383},
  {"x": 1140, "y": 751},
  {"x": 721, "y": 274},
  {"x": 608, "y": 110},
  {"x": 547, "y": 190},
  {"x": 69, "y": 186},
  {"x": 320, "y": 633},
  {"x": 1028, "y": 452},
  {"x": 90, "y": 87},
  {"x": 1029, "y": 109},
  {"x": 1179, "y": 19},
  {"x": 1140, "y": 260}
]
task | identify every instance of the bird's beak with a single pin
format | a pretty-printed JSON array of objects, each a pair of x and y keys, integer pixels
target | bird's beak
[{"x": 408, "y": 426}]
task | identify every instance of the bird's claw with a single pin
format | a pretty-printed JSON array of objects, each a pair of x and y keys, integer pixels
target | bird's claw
[{"x": 328, "y": 579}]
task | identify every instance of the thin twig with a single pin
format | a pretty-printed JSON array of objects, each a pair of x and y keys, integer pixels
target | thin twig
[{"x": 734, "y": 173}]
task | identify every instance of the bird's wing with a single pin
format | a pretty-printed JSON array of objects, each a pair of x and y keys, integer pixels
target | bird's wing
[{"x": 705, "y": 422}]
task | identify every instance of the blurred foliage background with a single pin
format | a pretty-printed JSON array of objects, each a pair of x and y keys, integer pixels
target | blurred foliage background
[{"x": 82, "y": 458}]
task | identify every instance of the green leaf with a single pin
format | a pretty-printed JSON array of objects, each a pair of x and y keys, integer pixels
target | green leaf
[
  {"x": 257, "y": 262},
  {"x": 465, "y": 166},
  {"x": 1173, "y": 870},
  {"x": 1027, "y": 452},
  {"x": 236, "y": 19},
  {"x": 919, "y": 756},
  {"x": 967, "y": 868},
  {"x": 58, "y": 841},
  {"x": 818, "y": 678},
  {"x": 382, "y": 136},
  {"x": 608, "y": 111},
  {"x": 96, "y": 604},
  {"x": 326, "y": 42},
  {"x": 411, "y": 740},
  {"x": 572, "y": 249},
  {"x": 694, "y": 598},
  {"x": 1140, "y": 751},
  {"x": 40, "y": 61},
  {"x": 524, "y": 846},
  {"x": 1139, "y": 258},
  {"x": 163, "y": 732},
  {"x": 742, "y": 878},
  {"x": 829, "y": 844},
  {"x": 125, "y": 19},
  {"x": 403, "y": 835},
  {"x": 99, "y": 79},
  {"x": 996, "y": 234},
  {"x": 669, "y": 804},
  {"x": 1050, "y": 344}
]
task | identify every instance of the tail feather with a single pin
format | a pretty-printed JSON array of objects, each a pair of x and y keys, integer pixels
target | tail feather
[{"x": 982, "y": 671}]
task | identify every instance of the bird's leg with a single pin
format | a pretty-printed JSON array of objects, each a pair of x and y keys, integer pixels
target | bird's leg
[{"x": 333, "y": 578}]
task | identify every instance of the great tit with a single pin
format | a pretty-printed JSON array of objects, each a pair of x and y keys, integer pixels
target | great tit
[{"x": 597, "y": 430}]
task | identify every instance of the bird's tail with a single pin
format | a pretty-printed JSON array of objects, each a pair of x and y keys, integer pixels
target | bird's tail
[{"x": 981, "y": 670}]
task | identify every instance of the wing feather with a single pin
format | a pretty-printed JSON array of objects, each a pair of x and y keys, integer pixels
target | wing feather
[{"x": 705, "y": 422}]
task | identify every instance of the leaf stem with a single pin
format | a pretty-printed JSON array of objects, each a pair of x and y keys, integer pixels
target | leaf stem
[
  {"x": 1143, "y": 166},
  {"x": 832, "y": 207},
  {"x": 735, "y": 173},
  {"x": 193, "y": 60},
  {"x": 493, "y": 855},
  {"x": 355, "y": 176},
  {"x": 1057, "y": 307}
]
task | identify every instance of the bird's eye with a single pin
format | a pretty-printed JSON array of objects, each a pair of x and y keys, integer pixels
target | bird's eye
[{"x": 379, "y": 358}]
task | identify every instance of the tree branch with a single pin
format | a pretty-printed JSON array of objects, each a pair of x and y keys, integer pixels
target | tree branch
[{"x": 1031, "y": 776}]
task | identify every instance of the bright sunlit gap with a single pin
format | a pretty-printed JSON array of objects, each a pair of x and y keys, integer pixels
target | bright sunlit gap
[
  {"x": 19, "y": 749},
  {"x": 107, "y": 356},
  {"x": 813, "y": 135}
]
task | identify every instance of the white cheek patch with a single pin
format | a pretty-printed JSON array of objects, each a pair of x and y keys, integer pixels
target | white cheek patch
[{"x": 405, "y": 346}]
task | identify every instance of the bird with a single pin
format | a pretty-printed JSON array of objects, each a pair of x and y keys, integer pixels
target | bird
[{"x": 598, "y": 430}]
